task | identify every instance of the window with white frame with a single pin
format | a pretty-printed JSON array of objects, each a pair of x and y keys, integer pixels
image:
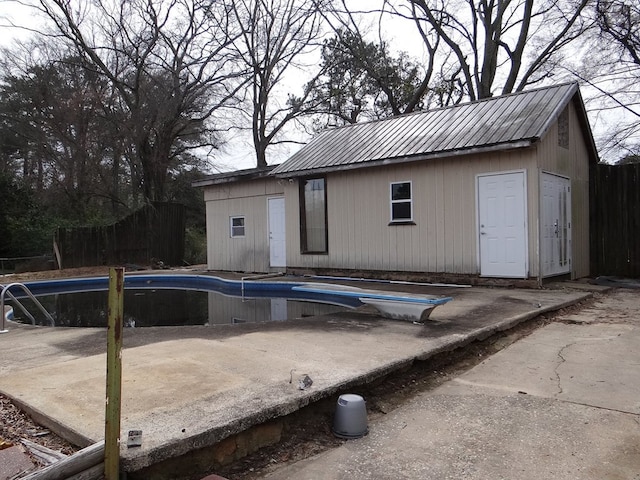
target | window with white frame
[
  {"x": 401, "y": 202},
  {"x": 236, "y": 227}
]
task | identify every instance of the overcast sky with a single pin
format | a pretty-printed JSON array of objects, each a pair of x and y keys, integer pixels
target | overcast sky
[{"x": 238, "y": 151}]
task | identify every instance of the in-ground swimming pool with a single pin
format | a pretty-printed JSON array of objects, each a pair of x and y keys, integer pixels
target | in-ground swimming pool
[{"x": 169, "y": 300}]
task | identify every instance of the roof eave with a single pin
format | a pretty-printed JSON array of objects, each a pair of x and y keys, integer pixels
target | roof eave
[
  {"x": 586, "y": 126},
  {"x": 524, "y": 143},
  {"x": 233, "y": 177},
  {"x": 560, "y": 106}
]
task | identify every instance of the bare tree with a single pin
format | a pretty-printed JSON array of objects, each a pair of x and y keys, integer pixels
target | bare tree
[
  {"x": 619, "y": 19},
  {"x": 169, "y": 63},
  {"x": 615, "y": 78},
  {"x": 276, "y": 34},
  {"x": 499, "y": 46}
]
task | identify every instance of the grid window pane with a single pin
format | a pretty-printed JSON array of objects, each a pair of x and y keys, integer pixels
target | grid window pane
[
  {"x": 401, "y": 191},
  {"x": 401, "y": 211},
  {"x": 401, "y": 202},
  {"x": 237, "y": 227}
]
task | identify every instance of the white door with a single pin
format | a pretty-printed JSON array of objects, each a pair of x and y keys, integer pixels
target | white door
[
  {"x": 502, "y": 225},
  {"x": 555, "y": 225},
  {"x": 277, "y": 245}
]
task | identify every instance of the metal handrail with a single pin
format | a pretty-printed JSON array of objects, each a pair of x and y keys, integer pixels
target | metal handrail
[{"x": 5, "y": 290}]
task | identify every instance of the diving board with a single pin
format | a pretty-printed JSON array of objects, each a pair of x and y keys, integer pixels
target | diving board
[{"x": 396, "y": 305}]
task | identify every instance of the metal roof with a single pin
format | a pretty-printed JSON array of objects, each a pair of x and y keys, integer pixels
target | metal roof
[
  {"x": 232, "y": 177},
  {"x": 510, "y": 121}
]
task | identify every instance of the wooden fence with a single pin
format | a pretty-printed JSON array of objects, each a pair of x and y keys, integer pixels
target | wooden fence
[
  {"x": 152, "y": 234},
  {"x": 615, "y": 220}
]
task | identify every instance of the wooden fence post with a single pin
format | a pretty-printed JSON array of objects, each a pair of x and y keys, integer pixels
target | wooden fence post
[{"x": 114, "y": 375}]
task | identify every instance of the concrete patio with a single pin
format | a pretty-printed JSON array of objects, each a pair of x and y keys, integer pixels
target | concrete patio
[{"x": 190, "y": 388}]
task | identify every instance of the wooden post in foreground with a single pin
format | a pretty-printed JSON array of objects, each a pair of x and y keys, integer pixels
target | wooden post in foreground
[{"x": 114, "y": 375}]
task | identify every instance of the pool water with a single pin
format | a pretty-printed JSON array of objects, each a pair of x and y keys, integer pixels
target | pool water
[{"x": 153, "y": 308}]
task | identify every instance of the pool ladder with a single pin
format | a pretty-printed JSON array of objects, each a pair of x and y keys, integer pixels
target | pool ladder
[{"x": 5, "y": 292}]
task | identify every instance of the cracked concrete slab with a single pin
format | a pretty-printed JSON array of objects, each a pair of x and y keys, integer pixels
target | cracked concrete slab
[
  {"x": 478, "y": 436},
  {"x": 562, "y": 403},
  {"x": 593, "y": 365},
  {"x": 189, "y": 387}
]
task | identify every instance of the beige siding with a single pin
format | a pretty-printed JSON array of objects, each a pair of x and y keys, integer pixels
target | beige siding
[
  {"x": 574, "y": 164},
  {"x": 443, "y": 238},
  {"x": 248, "y": 199}
]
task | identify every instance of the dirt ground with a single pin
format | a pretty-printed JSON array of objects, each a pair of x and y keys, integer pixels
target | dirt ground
[
  {"x": 308, "y": 432},
  {"x": 51, "y": 274}
]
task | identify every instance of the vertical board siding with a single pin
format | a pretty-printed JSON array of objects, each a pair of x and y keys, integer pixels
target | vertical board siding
[
  {"x": 615, "y": 207},
  {"x": 579, "y": 199},
  {"x": 249, "y": 199},
  {"x": 574, "y": 164},
  {"x": 443, "y": 238}
]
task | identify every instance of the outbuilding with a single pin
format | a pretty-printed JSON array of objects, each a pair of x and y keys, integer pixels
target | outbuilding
[{"x": 491, "y": 189}]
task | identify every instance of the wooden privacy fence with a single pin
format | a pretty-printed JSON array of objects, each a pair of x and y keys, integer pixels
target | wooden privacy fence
[
  {"x": 615, "y": 220},
  {"x": 154, "y": 233}
]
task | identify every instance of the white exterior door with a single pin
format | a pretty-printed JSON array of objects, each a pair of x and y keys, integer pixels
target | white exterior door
[
  {"x": 277, "y": 242},
  {"x": 502, "y": 225},
  {"x": 555, "y": 225}
]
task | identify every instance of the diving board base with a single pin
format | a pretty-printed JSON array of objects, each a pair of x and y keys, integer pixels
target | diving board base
[
  {"x": 400, "y": 310},
  {"x": 395, "y": 305}
]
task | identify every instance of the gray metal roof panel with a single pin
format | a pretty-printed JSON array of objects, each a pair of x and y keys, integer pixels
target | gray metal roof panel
[
  {"x": 476, "y": 128},
  {"x": 417, "y": 140},
  {"x": 463, "y": 126},
  {"x": 437, "y": 123},
  {"x": 509, "y": 119},
  {"x": 438, "y": 128},
  {"x": 521, "y": 120},
  {"x": 397, "y": 134},
  {"x": 234, "y": 176},
  {"x": 557, "y": 106},
  {"x": 497, "y": 123},
  {"x": 386, "y": 134}
]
